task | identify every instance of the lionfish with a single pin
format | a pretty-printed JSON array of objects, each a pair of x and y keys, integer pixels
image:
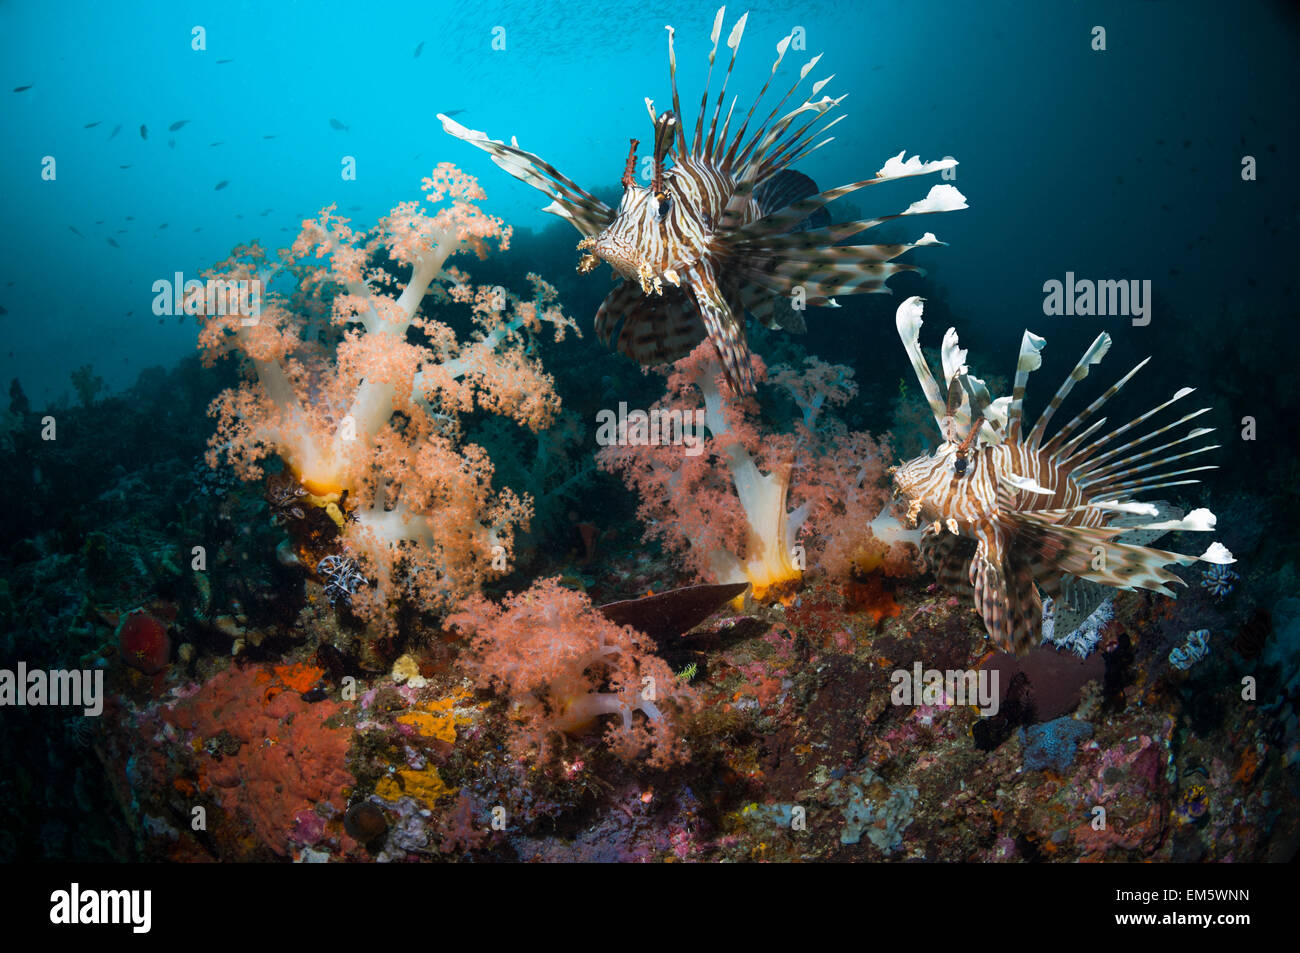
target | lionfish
[
  {"x": 1040, "y": 510},
  {"x": 728, "y": 228}
]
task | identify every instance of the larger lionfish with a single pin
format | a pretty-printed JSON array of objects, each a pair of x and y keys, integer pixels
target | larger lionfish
[
  {"x": 1039, "y": 509},
  {"x": 729, "y": 228}
]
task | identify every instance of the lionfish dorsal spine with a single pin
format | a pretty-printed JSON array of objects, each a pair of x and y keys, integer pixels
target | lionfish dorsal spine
[
  {"x": 1099, "y": 466},
  {"x": 1093, "y": 355},
  {"x": 730, "y": 158},
  {"x": 733, "y": 42},
  {"x": 908, "y": 321},
  {"x": 1030, "y": 360},
  {"x": 704, "y": 97},
  {"x": 1059, "y": 446},
  {"x": 1083, "y": 453},
  {"x": 677, "y": 106}
]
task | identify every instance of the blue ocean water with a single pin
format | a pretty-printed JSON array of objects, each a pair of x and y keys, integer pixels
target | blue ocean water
[
  {"x": 1151, "y": 143},
  {"x": 1122, "y": 163}
]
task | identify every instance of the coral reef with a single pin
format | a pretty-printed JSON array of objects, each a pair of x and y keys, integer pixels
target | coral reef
[
  {"x": 360, "y": 388},
  {"x": 562, "y": 665},
  {"x": 723, "y": 502}
]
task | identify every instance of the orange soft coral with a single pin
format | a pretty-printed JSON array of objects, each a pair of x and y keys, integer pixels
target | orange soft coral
[
  {"x": 360, "y": 389},
  {"x": 748, "y": 506},
  {"x": 563, "y": 666}
]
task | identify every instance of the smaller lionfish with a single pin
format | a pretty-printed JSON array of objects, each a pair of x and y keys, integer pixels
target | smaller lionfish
[
  {"x": 730, "y": 228},
  {"x": 1037, "y": 508}
]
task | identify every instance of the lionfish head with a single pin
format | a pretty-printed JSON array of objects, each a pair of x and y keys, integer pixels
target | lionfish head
[
  {"x": 621, "y": 243},
  {"x": 920, "y": 485},
  {"x": 634, "y": 243}
]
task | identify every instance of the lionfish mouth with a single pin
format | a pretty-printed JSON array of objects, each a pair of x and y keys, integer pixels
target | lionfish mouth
[{"x": 624, "y": 259}]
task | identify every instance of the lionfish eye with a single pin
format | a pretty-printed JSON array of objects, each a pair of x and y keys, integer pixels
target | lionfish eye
[
  {"x": 665, "y": 203},
  {"x": 959, "y": 466}
]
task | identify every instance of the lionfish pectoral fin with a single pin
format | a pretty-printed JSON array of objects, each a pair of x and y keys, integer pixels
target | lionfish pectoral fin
[
  {"x": 948, "y": 557},
  {"x": 1007, "y": 600},
  {"x": 724, "y": 327},
  {"x": 1092, "y": 553},
  {"x": 584, "y": 211},
  {"x": 772, "y": 310},
  {"x": 784, "y": 189},
  {"x": 650, "y": 329}
]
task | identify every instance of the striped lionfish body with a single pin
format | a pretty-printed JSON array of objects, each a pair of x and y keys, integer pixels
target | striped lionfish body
[
  {"x": 729, "y": 228},
  {"x": 1038, "y": 509}
]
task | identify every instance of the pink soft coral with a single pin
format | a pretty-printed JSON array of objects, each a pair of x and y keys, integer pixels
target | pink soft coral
[
  {"x": 361, "y": 390},
  {"x": 755, "y": 505},
  {"x": 563, "y": 665}
]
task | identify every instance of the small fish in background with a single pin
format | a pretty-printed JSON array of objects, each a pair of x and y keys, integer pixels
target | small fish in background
[
  {"x": 121, "y": 231},
  {"x": 22, "y": 89},
  {"x": 354, "y": 208},
  {"x": 214, "y": 143},
  {"x": 271, "y": 136},
  {"x": 418, "y": 50},
  {"x": 113, "y": 243},
  {"x": 92, "y": 125},
  {"x": 73, "y": 229},
  {"x": 178, "y": 124},
  {"x": 335, "y": 124},
  {"x": 116, "y": 130},
  {"x": 163, "y": 225},
  {"x": 199, "y": 228},
  {"x": 221, "y": 185},
  {"x": 267, "y": 212},
  {"x": 3, "y": 309},
  {"x": 100, "y": 222},
  {"x": 224, "y": 62},
  {"x": 130, "y": 218},
  {"x": 239, "y": 215},
  {"x": 127, "y": 166},
  {"x": 171, "y": 143},
  {"x": 144, "y": 131}
]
